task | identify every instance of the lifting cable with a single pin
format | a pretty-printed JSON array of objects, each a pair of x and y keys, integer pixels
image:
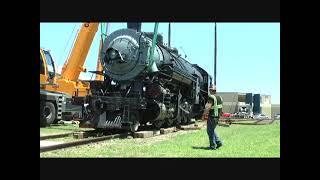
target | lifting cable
[
  {"x": 104, "y": 31},
  {"x": 103, "y": 35},
  {"x": 64, "y": 50},
  {"x": 67, "y": 59},
  {"x": 74, "y": 40},
  {"x": 154, "y": 41}
]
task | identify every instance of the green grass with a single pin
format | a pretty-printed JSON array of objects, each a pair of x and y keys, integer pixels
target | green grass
[{"x": 239, "y": 141}]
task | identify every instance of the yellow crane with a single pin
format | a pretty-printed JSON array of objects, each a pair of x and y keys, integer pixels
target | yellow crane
[
  {"x": 56, "y": 93},
  {"x": 69, "y": 82}
]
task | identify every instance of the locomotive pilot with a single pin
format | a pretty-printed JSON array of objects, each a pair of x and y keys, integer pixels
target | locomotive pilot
[{"x": 214, "y": 113}]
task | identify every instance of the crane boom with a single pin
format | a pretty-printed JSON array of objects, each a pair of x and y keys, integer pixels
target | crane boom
[{"x": 74, "y": 65}]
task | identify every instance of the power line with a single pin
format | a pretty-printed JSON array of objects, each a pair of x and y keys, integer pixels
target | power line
[{"x": 64, "y": 50}]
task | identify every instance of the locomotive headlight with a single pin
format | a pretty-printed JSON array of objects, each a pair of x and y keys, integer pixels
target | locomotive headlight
[{"x": 112, "y": 53}]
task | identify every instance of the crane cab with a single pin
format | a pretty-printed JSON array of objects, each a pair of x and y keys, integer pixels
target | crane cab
[{"x": 47, "y": 68}]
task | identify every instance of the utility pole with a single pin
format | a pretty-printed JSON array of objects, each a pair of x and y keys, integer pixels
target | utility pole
[
  {"x": 169, "y": 36},
  {"x": 215, "y": 54}
]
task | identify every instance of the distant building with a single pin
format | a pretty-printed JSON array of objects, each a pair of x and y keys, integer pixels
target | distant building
[
  {"x": 235, "y": 101},
  {"x": 265, "y": 104},
  {"x": 275, "y": 109}
]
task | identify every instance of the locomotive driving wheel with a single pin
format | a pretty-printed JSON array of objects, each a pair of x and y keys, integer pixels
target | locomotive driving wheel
[
  {"x": 178, "y": 120},
  {"x": 134, "y": 127},
  {"x": 158, "y": 124},
  {"x": 168, "y": 122},
  {"x": 135, "y": 121},
  {"x": 185, "y": 119},
  {"x": 188, "y": 119}
]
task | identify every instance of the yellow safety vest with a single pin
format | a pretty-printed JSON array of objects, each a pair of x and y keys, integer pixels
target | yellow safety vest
[{"x": 215, "y": 106}]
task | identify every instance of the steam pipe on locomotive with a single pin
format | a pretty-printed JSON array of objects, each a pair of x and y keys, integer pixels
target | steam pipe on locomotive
[{"x": 170, "y": 93}]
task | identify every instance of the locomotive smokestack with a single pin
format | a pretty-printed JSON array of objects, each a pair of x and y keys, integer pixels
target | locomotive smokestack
[{"x": 134, "y": 25}]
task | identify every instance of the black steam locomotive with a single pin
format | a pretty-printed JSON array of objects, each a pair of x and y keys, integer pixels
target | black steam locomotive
[{"x": 168, "y": 92}]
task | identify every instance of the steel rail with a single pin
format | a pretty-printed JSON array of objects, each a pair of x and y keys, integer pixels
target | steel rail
[{"x": 80, "y": 142}]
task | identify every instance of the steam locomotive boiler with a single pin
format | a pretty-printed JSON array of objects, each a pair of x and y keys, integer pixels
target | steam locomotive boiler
[{"x": 135, "y": 91}]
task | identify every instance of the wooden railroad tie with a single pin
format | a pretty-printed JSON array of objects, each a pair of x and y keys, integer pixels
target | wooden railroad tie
[
  {"x": 80, "y": 135},
  {"x": 190, "y": 127},
  {"x": 168, "y": 130},
  {"x": 146, "y": 134}
]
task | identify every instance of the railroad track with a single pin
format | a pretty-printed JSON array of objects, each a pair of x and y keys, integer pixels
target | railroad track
[
  {"x": 53, "y": 136},
  {"x": 81, "y": 142},
  {"x": 93, "y": 138},
  {"x": 256, "y": 122},
  {"x": 228, "y": 122},
  {"x": 116, "y": 134}
]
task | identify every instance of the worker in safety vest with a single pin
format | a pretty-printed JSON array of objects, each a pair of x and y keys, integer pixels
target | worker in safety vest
[{"x": 213, "y": 118}]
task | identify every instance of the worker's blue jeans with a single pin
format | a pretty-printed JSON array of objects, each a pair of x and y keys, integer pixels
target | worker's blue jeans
[{"x": 213, "y": 136}]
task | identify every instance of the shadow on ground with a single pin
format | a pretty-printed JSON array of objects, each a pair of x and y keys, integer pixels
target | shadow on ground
[{"x": 199, "y": 147}]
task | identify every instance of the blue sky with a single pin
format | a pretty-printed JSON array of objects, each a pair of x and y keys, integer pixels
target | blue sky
[{"x": 248, "y": 58}]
